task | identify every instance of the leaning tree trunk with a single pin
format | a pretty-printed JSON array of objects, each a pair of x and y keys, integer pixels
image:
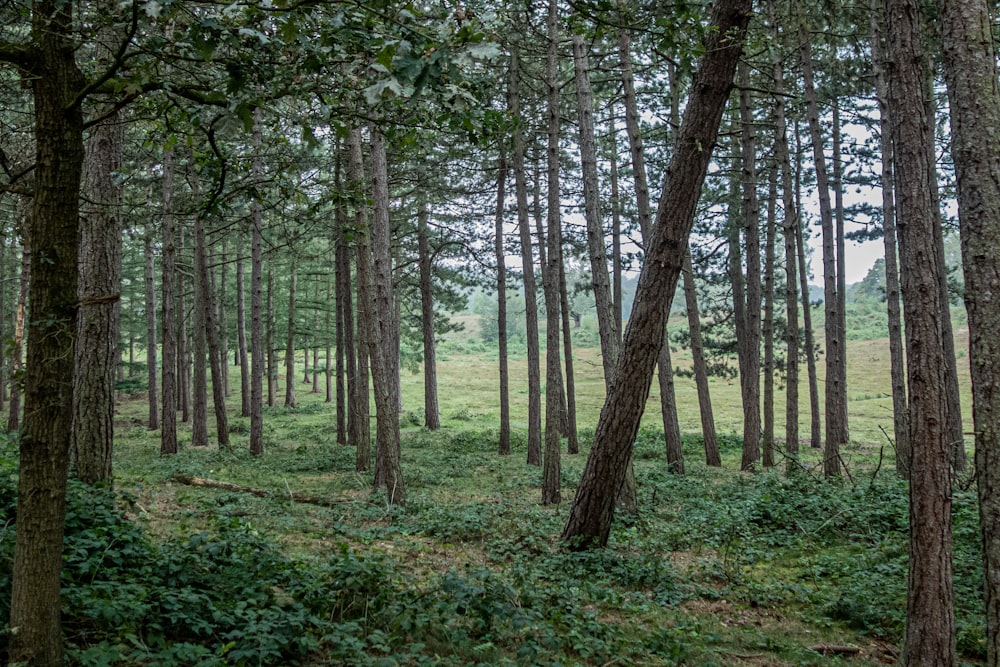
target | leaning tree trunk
[
  {"x": 527, "y": 271},
  {"x": 589, "y": 523},
  {"x": 99, "y": 314},
  {"x": 504, "y": 444},
  {"x": 168, "y": 319},
  {"x": 44, "y": 454},
  {"x": 383, "y": 330},
  {"x": 432, "y": 418},
  {"x": 974, "y": 99},
  {"x": 930, "y": 622}
]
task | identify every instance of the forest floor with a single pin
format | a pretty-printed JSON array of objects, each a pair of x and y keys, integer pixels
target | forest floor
[{"x": 719, "y": 567}]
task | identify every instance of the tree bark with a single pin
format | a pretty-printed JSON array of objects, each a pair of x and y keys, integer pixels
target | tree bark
[
  {"x": 974, "y": 100},
  {"x": 589, "y": 523},
  {"x": 243, "y": 356},
  {"x": 836, "y": 392},
  {"x": 712, "y": 456},
  {"x": 767, "y": 325},
  {"x": 270, "y": 342},
  {"x": 432, "y": 417},
  {"x": 216, "y": 355},
  {"x": 56, "y": 81},
  {"x": 527, "y": 271},
  {"x": 569, "y": 414},
  {"x": 897, "y": 361},
  {"x": 551, "y": 471},
  {"x": 498, "y": 248},
  {"x": 361, "y": 403},
  {"x": 290, "y": 339},
  {"x": 383, "y": 329},
  {"x": 99, "y": 285},
  {"x": 153, "y": 395},
  {"x": 199, "y": 345},
  {"x": 930, "y": 623},
  {"x": 168, "y": 319},
  {"x": 17, "y": 358}
]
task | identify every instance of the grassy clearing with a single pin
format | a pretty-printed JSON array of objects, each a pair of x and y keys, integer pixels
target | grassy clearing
[{"x": 719, "y": 568}]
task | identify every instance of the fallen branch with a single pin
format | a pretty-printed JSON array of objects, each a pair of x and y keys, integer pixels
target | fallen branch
[
  {"x": 834, "y": 649},
  {"x": 191, "y": 480}
]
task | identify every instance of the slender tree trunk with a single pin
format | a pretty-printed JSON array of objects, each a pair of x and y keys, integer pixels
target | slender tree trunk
[
  {"x": 259, "y": 358},
  {"x": 607, "y": 329},
  {"x": 243, "y": 357},
  {"x": 836, "y": 393},
  {"x": 668, "y": 403},
  {"x": 183, "y": 343},
  {"x": 329, "y": 315},
  {"x": 498, "y": 247},
  {"x": 347, "y": 355},
  {"x": 153, "y": 394},
  {"x": 712, "y": 456},
  {"x": 838, "y": 207},
  {"x": 290, "y": 339},
  {"x": 361, "y": 404},
  {"x": 527, "y": 271},
  {"x": 99, "y": 315},
  {"x": 930, "y": 622},
  {"x": 199, "y": 333},
  {"x": 767, "y": 328},
  {"x": 897, "y": 361},
  {"x": 589, "y": 523},
  {"x": 270, "y": 342},
  {"x": 432, "y": 418},
  {"x": 815, "y": 439},
  {"x": 168, "y": 319},
  {"x": 748, "y": 335},
  {"x": 790, "y": 222},
  {"x": 569, "y": 415},
  {"x": 17, "y": 359},
  {"x": 616, "y": 232},
  {"x": 974, "y": 100},
  {"x": 222, "y": 326},
  {"x": 44, "y": 455},
  {"x": 383, "y": 329},
  {"x": 551, "y": 470},
  {"x": 216, "y": 355}
]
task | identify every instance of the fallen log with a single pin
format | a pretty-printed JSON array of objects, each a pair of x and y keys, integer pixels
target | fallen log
[
  {"x": 191, "y": 480},
  {"x": 834, "y": 649}
]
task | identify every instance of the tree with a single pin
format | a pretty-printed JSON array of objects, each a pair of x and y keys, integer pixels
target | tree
[
  {"x": 589, "y": 523},
  {"x": 974, "y": 100},
  {"x": 504, "y": 444},
  {"x": 432, "y": 419},
  {"x": 930, "y": 621}
]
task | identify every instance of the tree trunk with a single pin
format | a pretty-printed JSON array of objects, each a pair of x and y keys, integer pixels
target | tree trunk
[
  {"x": 183, "y": 343},
  {"x": 153, "y": 395},
  {"x": 748, "y": 335},
  {"x": 432, "y": 418},
  {"x": 243, "y": 357},
  {"x": 589, "y": 523},
  {"x": 504, "y": 444},
  {"x": 99, "y": 284},
  {"x": 607, "y": 328},
  {"x": 930, "y": 622},
  {"x": 790, "y": 222},
  {"x": 527, "y": 271},
  {"x": 712, "y": 457},
  {"x": 199, "y": 334},
  {"x": 168, "y": 319},
  {"x": 216, "y": 355},
  {"x": 569, "y": 415},
  {"x": 551, "y": 470},
  {"x": 361, "y": 402},
  {"x": 767, "y": 327},
  {"x": 897, "y": 361},
  {"x": 290, "y": 339},
  {"x": 836, "y": 393},
  {"x": 668, "y": 403},
  {"x": 48, "y": 388},
  {"x": 270, "y": 342},
  {"x": 17, "y": 359},
  {"x": 616, "y": 232},
  {"x": 974, "y": 99},
  {"x": 222, "y": 326},
  {"x": 815, "y": 439},
  {"x": 383, "y": 329}
]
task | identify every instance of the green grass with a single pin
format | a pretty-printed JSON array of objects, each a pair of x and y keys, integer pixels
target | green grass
[{"x": 719, "y": 568}]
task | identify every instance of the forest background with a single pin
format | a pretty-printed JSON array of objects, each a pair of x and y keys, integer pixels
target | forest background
[{"x": 266, "y": 269}]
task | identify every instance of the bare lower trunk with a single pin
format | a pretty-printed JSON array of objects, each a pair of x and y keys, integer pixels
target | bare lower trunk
[
  {"x": 17, "y": 351},
  {"x": 152, "y": 381},
  {"x": 432, "y": 418},
  {"x": 171, "y": 352},
  {"x": 712, "y": 457},
  {"x": 498, "y": 248},
  {"x": 290, "y": 340}
]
